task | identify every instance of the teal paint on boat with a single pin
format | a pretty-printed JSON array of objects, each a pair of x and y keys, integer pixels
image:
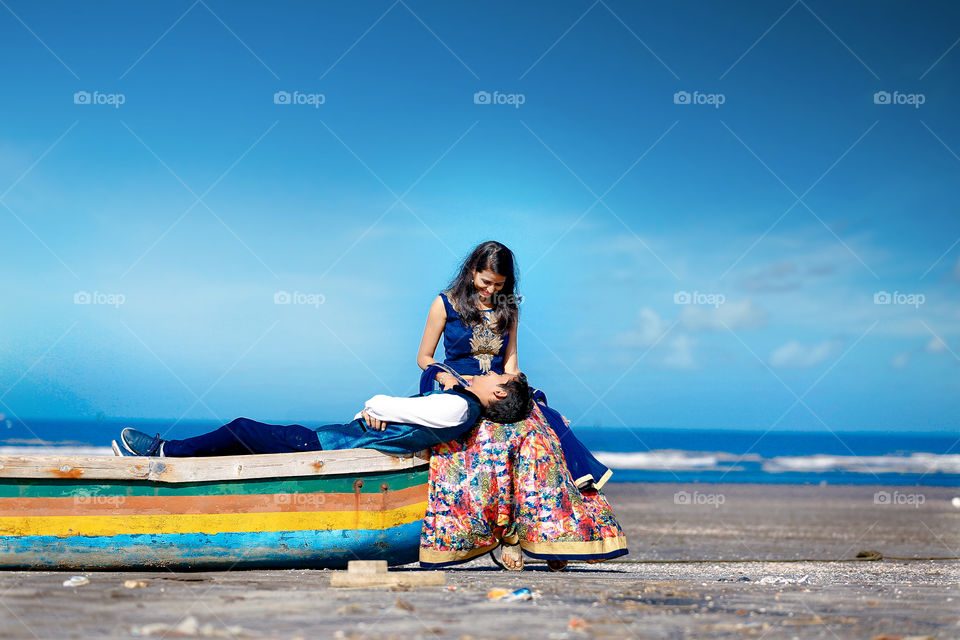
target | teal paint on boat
[{"x": 270, "y": 549}]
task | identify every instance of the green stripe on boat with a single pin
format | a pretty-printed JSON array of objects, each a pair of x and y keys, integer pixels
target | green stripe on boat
[{"x": 54, "y": 488}]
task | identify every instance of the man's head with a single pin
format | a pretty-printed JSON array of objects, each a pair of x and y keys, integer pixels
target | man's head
[{"x": 505, "y": 396}]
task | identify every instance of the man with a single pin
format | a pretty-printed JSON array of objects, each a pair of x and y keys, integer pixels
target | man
[{"x": 386, "y": 423}]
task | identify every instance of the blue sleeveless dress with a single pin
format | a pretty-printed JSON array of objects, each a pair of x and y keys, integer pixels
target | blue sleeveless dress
[
  {"x": 472, "y": 350},
  {"x": 475, "y": 350}
]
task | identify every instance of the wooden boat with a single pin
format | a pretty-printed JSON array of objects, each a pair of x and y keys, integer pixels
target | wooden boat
[{"x": 314, "y": 509}]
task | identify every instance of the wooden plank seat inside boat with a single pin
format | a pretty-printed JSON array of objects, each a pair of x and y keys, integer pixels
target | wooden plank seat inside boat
[{"x": 313, "y": 509}]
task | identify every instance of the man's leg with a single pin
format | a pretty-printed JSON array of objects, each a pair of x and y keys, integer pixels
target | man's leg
[
  {"x": 243, "y": 437},
  {"x": 351, "y": 435},
  {"x": 395, "y": 437}
]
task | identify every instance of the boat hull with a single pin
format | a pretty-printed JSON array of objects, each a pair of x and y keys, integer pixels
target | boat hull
[{"x": 320, "y": 521}]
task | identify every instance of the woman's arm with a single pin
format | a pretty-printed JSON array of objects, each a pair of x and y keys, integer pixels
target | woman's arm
[
  {"x": 510, "y": 362},
  {"x": 436, "y": 320}
]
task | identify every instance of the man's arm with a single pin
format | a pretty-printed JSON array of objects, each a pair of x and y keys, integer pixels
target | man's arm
[{"x": 438, "y": 410}]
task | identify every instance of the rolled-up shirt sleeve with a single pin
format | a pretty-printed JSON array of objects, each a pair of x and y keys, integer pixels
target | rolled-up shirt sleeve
[{"x": 438, "y": 410}]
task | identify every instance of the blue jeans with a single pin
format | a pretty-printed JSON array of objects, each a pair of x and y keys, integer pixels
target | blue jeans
[{"x": 244, "y": 436}]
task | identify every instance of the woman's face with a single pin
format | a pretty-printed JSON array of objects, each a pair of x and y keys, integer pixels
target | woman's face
[{"x": 488, "y": 283}]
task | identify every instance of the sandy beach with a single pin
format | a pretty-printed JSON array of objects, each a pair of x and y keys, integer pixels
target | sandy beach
[{"x": 816, "y": 591}]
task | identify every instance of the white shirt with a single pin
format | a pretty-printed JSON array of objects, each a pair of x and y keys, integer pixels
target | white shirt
[{"x": 437, "y": 410}]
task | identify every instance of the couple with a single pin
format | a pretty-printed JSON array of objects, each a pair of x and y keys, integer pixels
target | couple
[{"x": 505, "y": 469}]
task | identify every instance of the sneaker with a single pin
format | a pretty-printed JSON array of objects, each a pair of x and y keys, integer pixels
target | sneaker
[
  {"x": 137, "y": 443},
  {"x": 118, "y": 450}
]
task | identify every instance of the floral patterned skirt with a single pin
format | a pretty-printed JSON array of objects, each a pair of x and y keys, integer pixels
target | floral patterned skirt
[{"x": 509, "y": 482}]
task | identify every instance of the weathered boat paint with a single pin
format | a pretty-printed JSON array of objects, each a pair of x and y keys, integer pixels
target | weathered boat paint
[
  {"x": 79, "y": 521},
  {"x": 248, "y": 550}
]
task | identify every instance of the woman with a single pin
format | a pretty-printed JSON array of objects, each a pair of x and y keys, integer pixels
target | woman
[
  {"x": 515, "y": 485},
  {"x": 485, "y": 337},
  {"x": 482, "y": 337}
]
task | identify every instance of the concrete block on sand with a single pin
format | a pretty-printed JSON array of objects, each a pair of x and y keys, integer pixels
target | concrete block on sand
[{"x": 373, "y": 573}]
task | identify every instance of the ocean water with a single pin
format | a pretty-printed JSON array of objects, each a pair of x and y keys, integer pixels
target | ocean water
[
  {"x": 783, "y": 457},
  {"x": 636, "y": 455}
]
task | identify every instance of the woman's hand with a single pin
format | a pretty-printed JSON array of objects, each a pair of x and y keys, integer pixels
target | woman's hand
[
  {"x": 373, "y": 423},
  {"x": 447, "y": 381}
]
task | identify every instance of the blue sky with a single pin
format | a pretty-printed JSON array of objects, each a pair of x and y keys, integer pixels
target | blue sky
[{"x": 179, "y": 214}]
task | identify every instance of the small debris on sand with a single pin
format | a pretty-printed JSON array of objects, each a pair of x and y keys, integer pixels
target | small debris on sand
[
  {"x": 76, "y": 581},
  {"x": 782, "y": 580},
  {"x": 578, "y": 624},
  {"x": 403, "y": 605},
  {"x": 188, "y": 627},
  {"x": 506, "y": 595}
]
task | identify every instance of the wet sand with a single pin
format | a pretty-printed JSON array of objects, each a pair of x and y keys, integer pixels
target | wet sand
[{"x": 821, "y": 596}]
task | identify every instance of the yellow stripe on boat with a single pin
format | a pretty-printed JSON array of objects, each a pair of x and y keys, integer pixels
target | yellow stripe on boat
[{"x": 65, "y": 526}]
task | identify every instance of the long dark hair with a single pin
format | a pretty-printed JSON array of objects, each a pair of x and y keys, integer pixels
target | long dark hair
[{"x": 464, "y": 295}]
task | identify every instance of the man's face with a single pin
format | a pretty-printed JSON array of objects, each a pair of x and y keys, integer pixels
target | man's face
[{"x": 487, "y": 387}]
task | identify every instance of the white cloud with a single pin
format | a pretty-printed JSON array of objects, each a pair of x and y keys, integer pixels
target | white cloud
[
  {"x": 936, "y": 345},
  {"x": 650, "y": 330},
  {"x": 900, "y": 360},
  {"x": 795, "y": 355},
  {"x": 680, "y": 355},
  {"x": 647, "y": 331},
  {"x": 735, "y": 315}
]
